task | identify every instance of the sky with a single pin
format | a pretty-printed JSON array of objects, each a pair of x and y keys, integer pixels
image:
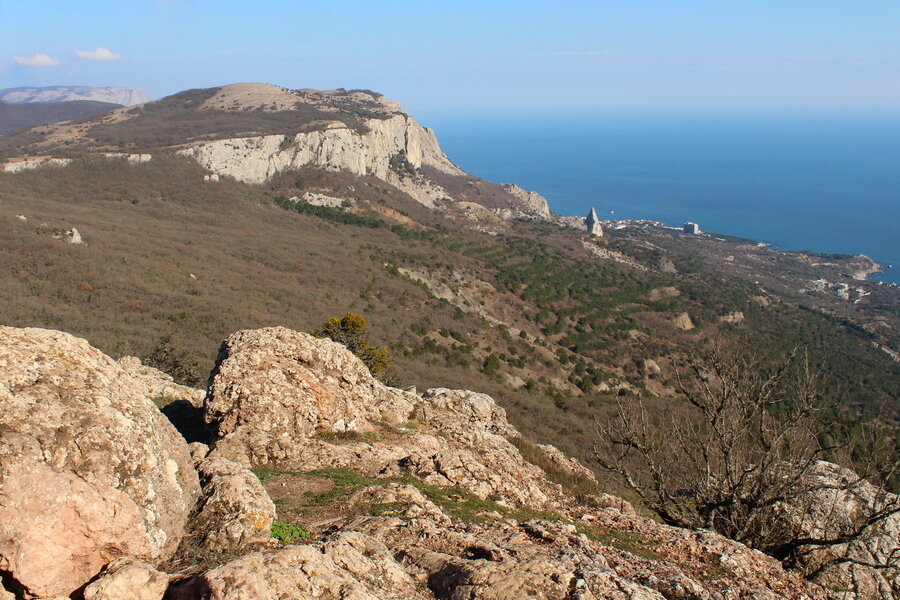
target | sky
[{"x": 466, "y": 54}]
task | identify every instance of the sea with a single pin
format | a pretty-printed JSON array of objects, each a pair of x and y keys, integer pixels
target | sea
[{"x": 821, "y": 180}]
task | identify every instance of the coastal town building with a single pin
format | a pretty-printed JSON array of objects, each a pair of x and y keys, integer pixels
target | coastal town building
[{"x": 692, "y": 228}]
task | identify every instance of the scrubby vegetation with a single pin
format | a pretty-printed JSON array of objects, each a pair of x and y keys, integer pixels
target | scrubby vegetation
[
  {"x": 350, "y": 330},
  {"x": 171, "y": 267}
]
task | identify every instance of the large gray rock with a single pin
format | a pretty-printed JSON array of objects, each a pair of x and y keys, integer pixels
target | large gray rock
[{"x": 89, "y": 468}]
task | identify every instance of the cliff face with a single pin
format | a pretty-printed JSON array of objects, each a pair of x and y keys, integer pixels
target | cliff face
[
  {"x": 391, "y": 149},
  {"x": 252, "y": 132}
]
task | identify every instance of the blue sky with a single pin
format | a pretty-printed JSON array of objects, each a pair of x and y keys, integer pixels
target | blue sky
[{"x": 465, "y": 54}]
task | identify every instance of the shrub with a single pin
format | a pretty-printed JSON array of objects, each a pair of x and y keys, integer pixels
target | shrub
[
  {"x": 350, "y": 330},
  {"x": 751, "y": 445},
  {"x": 491, "y": 365},
  {"x": 178, "y": 363}
]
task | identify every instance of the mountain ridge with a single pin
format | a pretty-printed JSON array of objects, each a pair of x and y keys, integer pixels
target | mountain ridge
[
  {"x": 27, "y": 115},
  {"x": 252, "y": 132},
  {"x": 67, "y": 93}
]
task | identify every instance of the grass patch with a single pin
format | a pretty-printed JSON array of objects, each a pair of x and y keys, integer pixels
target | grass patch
[
  {"x": 288, "y": 533},
  {"x": 385, "y": 508},
  {"x": 344, "y": 480},
  {"x": 627, "y": 541},
  {"x": 572, "y": 483},
  {"x": 457, "y": 502},
  {"x": 714, "y": 573},
  {"x": 342, "y": 477},
  {"x": 267, "y": 473}
]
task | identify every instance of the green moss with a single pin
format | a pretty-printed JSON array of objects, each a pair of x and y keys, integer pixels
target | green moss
[{"x": 288, "y": 533}]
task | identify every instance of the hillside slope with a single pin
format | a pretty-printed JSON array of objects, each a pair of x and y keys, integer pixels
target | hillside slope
[
  {"x": 484, "y": 291},
  {"x": 23, "y": 116},
  {"x": 168, "y": 254},
  {"x": 253, "y": 132}
]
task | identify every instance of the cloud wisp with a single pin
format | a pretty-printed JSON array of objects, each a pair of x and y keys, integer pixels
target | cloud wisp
[
  {"x": 98, "y": 53},
  {"x": 38, "y": 60},
  {"x": 601, "y": 53}
]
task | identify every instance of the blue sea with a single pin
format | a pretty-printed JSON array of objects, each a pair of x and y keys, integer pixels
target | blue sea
[{"x": 820, "y": 180}]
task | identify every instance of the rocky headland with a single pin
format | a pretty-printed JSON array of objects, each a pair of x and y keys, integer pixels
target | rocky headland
[{"x": 407, "y": 494}]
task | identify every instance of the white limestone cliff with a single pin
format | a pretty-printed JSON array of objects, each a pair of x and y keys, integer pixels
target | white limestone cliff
[{"x": 337, "y": 147}]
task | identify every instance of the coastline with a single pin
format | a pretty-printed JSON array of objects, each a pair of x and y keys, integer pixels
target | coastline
[{"x": 860, "y": 267}]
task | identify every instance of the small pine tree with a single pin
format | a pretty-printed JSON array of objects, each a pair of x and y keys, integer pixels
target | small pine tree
[
  {"x": 350, "y": 330},
  {"x": 491, "y": 365}
]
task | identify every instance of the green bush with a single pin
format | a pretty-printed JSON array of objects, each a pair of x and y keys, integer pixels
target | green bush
[{"x": 350, "y": 330}]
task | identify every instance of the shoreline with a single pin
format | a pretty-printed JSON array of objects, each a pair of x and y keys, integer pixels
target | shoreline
[{"x": 865, "y": 273}]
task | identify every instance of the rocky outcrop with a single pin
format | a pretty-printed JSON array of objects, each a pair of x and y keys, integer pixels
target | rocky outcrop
[
  {"x": 128, "y": 579},
  {"x": 278, "y": 394},
  {"x": 89, "y": 468},
  {"x": 387, "y": 144},
  {"x": 683, "y": 322},
  {"x": 350, "y": 565},
  {"x": 580, "y": 554},
  {"x": 234, "y": 510},
  {"x": 156, "y": 385},
  {"x": 96, "y": 487},
  {"x": 29, "y": 164},
  {"x": 277, "y": 386},
  {"x": 532, "y": 203},
  {"x": 839, "y": 504},
  {"x": 733, "y": 317}
]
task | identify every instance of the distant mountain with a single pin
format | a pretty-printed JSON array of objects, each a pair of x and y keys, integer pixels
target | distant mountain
[
  {"x": 22, "y": 116},
  {"x": 253, "y": 132},
  {"x": 68, "y": 93}
]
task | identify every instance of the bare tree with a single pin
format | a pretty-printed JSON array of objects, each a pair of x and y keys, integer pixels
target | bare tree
[{"x": 745, "y": 446}]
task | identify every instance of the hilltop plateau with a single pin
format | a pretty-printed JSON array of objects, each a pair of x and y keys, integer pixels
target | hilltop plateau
[{"x": 158, "y": 230}]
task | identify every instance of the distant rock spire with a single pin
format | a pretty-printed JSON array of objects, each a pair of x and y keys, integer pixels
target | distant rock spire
[{"x": 592, "y": 223}]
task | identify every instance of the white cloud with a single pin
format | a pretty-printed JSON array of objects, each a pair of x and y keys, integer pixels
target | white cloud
[
  {"x": 38, "y": 60},
  {"x": 98, "y": 54}
]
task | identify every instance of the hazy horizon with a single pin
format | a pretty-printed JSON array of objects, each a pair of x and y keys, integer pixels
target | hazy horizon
[{"x": 472, "y": 55}]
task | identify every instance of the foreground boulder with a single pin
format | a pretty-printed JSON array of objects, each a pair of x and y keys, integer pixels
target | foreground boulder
[
  {"x": 281, "y": 398},
  {"x": 351, "y": 566},
  {"x": 840, "y": 505},
  {"x": 128, "y": 579},
  {"x": 90, "y": 470},
  {"x": 275, "y": 384},
  {"x": 234, "y": 510}
]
